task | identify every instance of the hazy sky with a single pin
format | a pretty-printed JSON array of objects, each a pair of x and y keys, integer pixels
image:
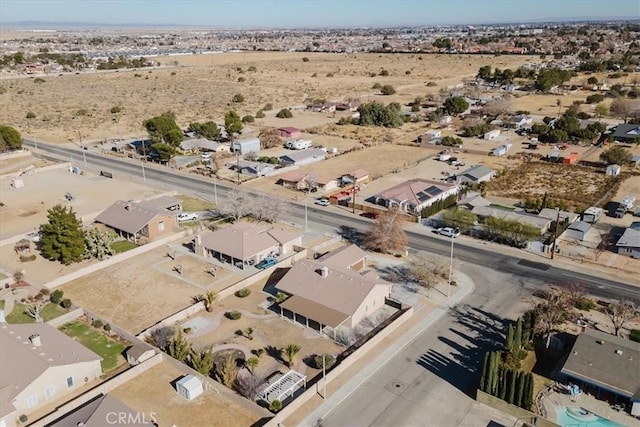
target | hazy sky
[{"x": 311, "y": 13}]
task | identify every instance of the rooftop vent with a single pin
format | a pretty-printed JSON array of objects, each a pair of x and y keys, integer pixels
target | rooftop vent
[
  {"x": 35, "y": 340},
  {"x": 618, "y": 352},
  {"x": 323, "y": 271}
]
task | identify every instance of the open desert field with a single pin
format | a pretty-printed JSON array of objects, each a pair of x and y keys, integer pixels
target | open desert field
[{"x": 201, "y": 88}]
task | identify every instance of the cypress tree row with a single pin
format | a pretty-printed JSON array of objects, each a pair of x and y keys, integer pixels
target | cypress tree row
[
  {"x": 502, "y": 392},
  {"x": 483, "y": 378},
  {"x": 512, "y": 385},
  {"x": 528, "y": 401},
  {"x": 510, "y": 338},
  {"x": 520, "y": 389},
  {"x": 517, "y": 340}
]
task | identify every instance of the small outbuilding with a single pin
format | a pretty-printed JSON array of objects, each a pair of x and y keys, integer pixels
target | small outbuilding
[
  {"x": 492, "y": 134},
  {"x": 139, "y": 353},
  {"x": 613, "y": 170},
  {"x": 189, "y": 387},
  {"x": 246, "y": 146},
  {"x": 578, "y": 230},
  {"x": 571, "y": 159}
]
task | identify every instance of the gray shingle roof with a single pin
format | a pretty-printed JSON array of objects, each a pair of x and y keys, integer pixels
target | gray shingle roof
[
  {"x": 629, "y": 239},
  {"x": 605, "y": 360},
  {"x": 126, "y": 216},
  {"x": 477, "y": 172}
]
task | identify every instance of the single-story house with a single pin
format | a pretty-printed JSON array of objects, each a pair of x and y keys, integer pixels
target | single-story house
[
  {"x": 414, "y": 195},
  {"x": 613, "y": 170},
  {"x": 325, "y": 183},
  {"x": 39, "y": 365},
  {"x": 429, "y": 135},
  {"x": 356, "y": 177},
  {"x": 500, "y": 150},
  {"x": 162, "y": 204},
  {"x": 606, "y": 366},
  {"x": 250, "y": 145},
  {"x": 102, "y": 411},
  {"x": 522, "y": 121},
  {"x": 244, "y": 244},
  {"x": 492, "y": 134},
  {"x": 571, "y": 159},
  {"x": 475, "y": 175},
  {"x": 626, "y": 132},
  {"x": 303, "y": 157},
  {"x": 295, "y": 180},
  {"x": 251, "y": 168},
  {"x": 330, "y": 293},
  {"x": 629, "y": 243},
  {"x": 136, "y": 220},
  {"x": 138, "y": 353},
  {"x": 289, "y": 132},
  {"x": 577, "y": 230},
  {"x": 471, "y": 200},
  {"x": 540, "y": 223},
  {"x": 201, "y": 144},
  {"x": 350, "y": 256}
]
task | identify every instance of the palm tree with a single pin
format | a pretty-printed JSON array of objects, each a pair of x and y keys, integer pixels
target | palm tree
[
  {"x": 210, "y": 297},
  {"x": 289, "y": 352}
]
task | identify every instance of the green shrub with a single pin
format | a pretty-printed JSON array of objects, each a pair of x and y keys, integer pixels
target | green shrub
[
  {"x": 38, "y": 80},
  {"x": 243, "y": 293},
  {"x": 56, "y": 296},
  {"x": 233, "y": 315},
  {"x": 27, "y": 258},
  {"x": 260, "y": 114},
  {"x": 635, "y": 335},
  {"x": 329, "y": 360},
  {"x": 285, "y": 113},
  {"x": 65, "y": 303},
  {"x": 281, "y": 297},
  {"x": 31, "y": 115},
  {"x": 585, "y": 304},
  {"x": 238, "y": 97},
  {"x": 187, "y": 330},
  {"x": 275, "y": 406},
  {"x": 248, "y": 119},
  {"x": 97, "y": 323},
  {"x": 107, "y": 327},
  {"x": 305, "y": 59},
  {"x": 23, "y": 418}
]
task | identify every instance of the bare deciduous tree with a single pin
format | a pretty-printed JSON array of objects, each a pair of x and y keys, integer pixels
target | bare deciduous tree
[
  {"x": 387, "y": 233},
  {"x": 551, "y": 313},
  {"x": 426, "y": 270},
  {"x": 248, "y": 384},
  {"x": 33, "y": 307},
  {"x": 623, "y": 108},
  {"x": 269, "y": 138},
  {"x": 575, "y": 292},
  {"x": 237, "y": 204},
  {"x": 267, "y": 208},
  {"x": 497, "y": 107},
  {"x": 160, "y": 337},
  {"x": 619, "y": 313}
]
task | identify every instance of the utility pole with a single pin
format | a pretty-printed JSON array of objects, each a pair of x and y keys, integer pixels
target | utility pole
[
  {"x": 238, "y": 165},
  {"x": 450, "y": 268},
  {"x": 354, "y": 190},
  {"x": 84, "y": 156},
  {"x": 215, "y": 190},
  {"x": 555, "y": 233}
]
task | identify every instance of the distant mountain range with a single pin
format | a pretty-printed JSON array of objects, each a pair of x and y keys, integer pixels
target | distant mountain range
[{"x": 51, "y": 25}]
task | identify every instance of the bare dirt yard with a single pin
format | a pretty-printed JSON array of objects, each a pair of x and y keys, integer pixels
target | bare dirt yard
[
  {"x": 26, "y": 208},
  {"x": 201, "y": 87},
  {"x": 153, "y": 392}
]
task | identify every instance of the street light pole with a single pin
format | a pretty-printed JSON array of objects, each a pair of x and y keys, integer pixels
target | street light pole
[
  {"x": 450, "y": 268},
  {"x": 555, "y": 233},
  {"x": 215, "y": 190}
]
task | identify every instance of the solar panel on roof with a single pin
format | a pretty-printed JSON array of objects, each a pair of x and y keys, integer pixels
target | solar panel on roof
[
  {"x": 422, "y": 196},
  {"x": 433, "y": 191}
]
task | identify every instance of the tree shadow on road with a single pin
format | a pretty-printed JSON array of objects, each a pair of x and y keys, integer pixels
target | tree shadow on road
[{"x": 474, "y": 333}]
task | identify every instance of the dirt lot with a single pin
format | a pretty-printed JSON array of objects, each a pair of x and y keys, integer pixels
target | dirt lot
[
  {"x": 153, "y": 392},
  {"x": 77, "y": 106},
  {"x": 26, "y": 208},
  {"x": 138, "y": 292}
]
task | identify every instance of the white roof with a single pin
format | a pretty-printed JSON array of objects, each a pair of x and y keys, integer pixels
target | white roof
[{"x": 190, "y": 382}]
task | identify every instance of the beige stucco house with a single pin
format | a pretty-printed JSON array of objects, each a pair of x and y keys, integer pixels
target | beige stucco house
[
  {"x": 331, "y": 291},
  {"x": 40, "y": 365}
]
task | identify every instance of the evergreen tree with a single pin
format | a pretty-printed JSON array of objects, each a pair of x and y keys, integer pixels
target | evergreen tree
[
  {"x": 517, "y": 340},
  {"x": 62, "y": 238},
  {"x": 513, "y": 374},
  {"x": 179, "y": 348},
  {"x": 232, "y": 124},
  {"x": 502, "y": 392},
  {"x": 509, "y": 340},
  {"x": 495, "y": 374},
  {"x": 528, "y": 395},
  {"x": 519, "y": 389},
  {"x": 202, "y": 361},
  {"x": 483, "y": 378}
]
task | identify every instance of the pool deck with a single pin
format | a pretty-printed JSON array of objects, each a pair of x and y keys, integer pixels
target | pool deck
[{"x": 598, "y": 407}]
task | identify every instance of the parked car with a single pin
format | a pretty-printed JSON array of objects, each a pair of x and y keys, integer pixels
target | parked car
[
  {"x": 266, "y": 263},
  {"x": 371, "y": 215},
  {"x": 323, "y": 202},
  {"x": 448, "y": 231},
  {"x": 187, "y": 216}
]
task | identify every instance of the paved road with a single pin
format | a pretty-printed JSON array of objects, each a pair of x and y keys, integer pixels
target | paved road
[
  {"x": 331, "y": 218},
  {"x": 429, "y": 382}
]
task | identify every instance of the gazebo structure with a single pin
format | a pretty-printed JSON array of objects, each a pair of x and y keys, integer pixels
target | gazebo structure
[{"x": 282, "y": 386}]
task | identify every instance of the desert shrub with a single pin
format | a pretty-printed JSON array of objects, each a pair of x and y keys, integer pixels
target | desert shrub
[
  {"x": 31, "y": 115},
  {"x": 407, "y": 72},
  {"x": 23, "y": 418},
  {"x": 634, "y": 335},
  {"x": 241, "y": 79},
  {"x": 260, "y": 114},
  {"x": 432, "y": 84},
  {"x": 268, "y": 106},
  {"x": 384, "y": 73},
  {"x": 27, "y": 258},
  {"x": 97, "y": 323},
  {"x": 243, "y": 293},
  {"x": 233, "y": 315},
  {"x": 387, "y": 90},
  {"x": 305, "y": 59},
  {"x": 248, "y": 119},
  {"x": 3, "y": 90},
  {"x": 65, "y": 303},
  {"x": 329, "y": 74},
  {"x": 252, "y": 69},
  {"x": 115, "y": 110},
  {"x": 376, "y": 86},
  {"x": 285, "y": 113},
  {"x": 274, "y": 406},
  {"x": 187, "y": 330},
  {"x": 238, "y": 97},
  {"x": 38, "y": 80},
  {"x": 173, "y": 73},
  {"x": 329, "y": 360},
  {"x": 107, "y": 327},
  {"x": 56, "y": 296}
]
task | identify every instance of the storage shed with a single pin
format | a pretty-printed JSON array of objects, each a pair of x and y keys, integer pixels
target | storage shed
[
  {"x": 578, "y": 230},
  {"x": 492, "y": 134},
  {"x": 571, "y": 159},
  {"x": 246, "y": 146},
  {"x": 613, "y": 170},
  {"x": 189, "y": 387}
]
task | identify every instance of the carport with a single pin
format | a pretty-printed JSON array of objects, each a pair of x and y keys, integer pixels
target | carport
[{"x": 313, "y": 313}]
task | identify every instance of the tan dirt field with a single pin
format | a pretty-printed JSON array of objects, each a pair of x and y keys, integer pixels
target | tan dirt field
[
  {"x": 202, "y": 86},
  {"x": 153, "y": 392},
  {"x": 26, "y": 208}
]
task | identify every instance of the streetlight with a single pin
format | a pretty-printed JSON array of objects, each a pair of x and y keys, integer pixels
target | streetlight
[
  {"x": 555, "y": 233},
  {"x": 450, "y": 267},
  {"x": 215, "y": 190}
]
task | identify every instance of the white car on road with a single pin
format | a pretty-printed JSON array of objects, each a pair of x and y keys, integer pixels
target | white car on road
[
  {"x": 323, "y": 202},
  {"x": 187, "y": 216},
  {"x": 448, "y": 231}
]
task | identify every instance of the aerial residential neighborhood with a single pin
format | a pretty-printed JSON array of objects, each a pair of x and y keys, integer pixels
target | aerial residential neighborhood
[{"x": 392, "y": 214}]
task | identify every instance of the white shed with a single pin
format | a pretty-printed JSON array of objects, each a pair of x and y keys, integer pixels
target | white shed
[
  {"x": 492, "y": 134},
  {"x": 139, "y": 353},
  {"x": 613, "y": 170},
  {"x": 189, "y": 387}
]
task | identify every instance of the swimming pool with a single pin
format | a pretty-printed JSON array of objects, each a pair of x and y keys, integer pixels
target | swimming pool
[{"x": 575, "y": 416}]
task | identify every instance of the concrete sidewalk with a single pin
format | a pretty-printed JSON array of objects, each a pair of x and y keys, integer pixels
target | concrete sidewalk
[{"x": 465, "y": 286}]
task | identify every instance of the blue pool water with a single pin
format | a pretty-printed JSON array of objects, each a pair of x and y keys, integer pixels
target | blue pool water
[{"x": 574, "y": 416}]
